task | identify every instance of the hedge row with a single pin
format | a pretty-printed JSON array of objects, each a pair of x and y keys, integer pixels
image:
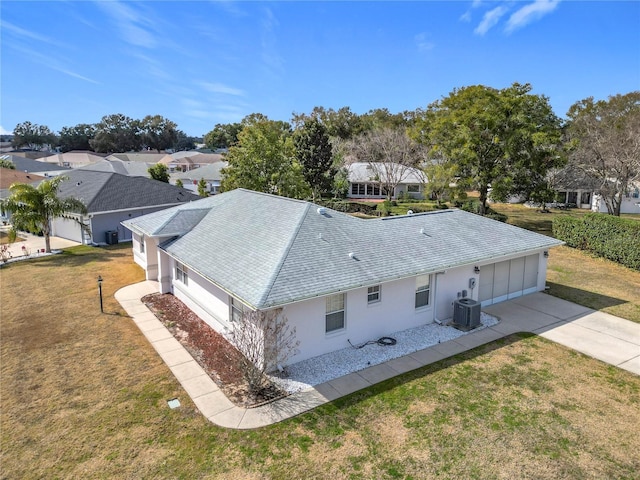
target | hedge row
[
  {"x": 348, "y": 207},
  {"x": 610, "y": 237}
]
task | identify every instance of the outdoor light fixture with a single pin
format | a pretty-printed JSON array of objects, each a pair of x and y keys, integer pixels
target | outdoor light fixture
[
  {"x": 100, "y": 292},
  {"x": 476, "y": 269},
  {"x": 546, "y": 254}
]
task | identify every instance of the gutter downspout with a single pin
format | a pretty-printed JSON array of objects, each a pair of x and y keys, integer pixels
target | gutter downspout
[{"x": 435, "y": 298}]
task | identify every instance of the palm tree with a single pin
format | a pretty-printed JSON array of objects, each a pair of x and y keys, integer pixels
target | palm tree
[{"x": 33, "y": 208}]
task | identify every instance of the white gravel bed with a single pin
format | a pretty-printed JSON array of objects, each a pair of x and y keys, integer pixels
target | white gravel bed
[{"x": 329, "y": 366}]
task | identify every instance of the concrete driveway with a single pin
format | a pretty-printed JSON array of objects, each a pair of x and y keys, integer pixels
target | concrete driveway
[
  {"x": 608, "y": 338},
  {"x": 34, "y": 244}
]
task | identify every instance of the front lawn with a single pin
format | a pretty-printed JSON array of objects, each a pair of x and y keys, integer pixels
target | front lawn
[{"x": 84, "y": 395}]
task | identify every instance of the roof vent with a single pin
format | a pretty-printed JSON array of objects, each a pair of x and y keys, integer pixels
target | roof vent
[
  {"x": 321, "y": 210},
  {"x": 422, "y": 231},
  {"x": 352, "y": 255},
  {"x": 409, "y": 212}
]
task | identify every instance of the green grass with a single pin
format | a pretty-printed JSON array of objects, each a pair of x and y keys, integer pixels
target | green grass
[{"x": 84, "y": 396}]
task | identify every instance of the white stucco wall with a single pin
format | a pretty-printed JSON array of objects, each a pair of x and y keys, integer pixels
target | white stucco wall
[{"x": 363, "y": 321}]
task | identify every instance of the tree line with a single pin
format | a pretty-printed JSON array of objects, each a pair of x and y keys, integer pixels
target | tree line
[
  {"x": 114, "y": 133},
  {"x": 499, "y": 142}
]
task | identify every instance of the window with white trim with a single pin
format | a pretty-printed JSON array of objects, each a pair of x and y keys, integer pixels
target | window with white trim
[
  {"x": 237, "y": 310},
  {"x": 413, "y": 188},
  {"x": 373, "y": 294},
  {"x": 181, "y": 273},
  {"x": 422, "y": 291},
  {"x": 334, "y": 318}
]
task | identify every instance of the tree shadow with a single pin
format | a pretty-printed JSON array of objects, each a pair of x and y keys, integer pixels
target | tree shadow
[{"x": 589, "y": 299}]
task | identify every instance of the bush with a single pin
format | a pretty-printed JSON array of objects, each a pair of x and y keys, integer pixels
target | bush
[
  {"x": 348, "y": 207},
  {"x": 384, "y": 208},
  {"x": 606, "y": 236}
]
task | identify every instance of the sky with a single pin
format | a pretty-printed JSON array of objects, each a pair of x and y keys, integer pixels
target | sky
[{"x": 201, "y": 63}]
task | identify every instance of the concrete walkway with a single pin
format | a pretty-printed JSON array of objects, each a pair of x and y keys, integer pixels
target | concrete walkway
[{"x": 599, "y": 335}]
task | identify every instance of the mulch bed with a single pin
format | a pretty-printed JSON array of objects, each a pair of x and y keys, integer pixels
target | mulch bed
[{"x": 220, "y": 359}]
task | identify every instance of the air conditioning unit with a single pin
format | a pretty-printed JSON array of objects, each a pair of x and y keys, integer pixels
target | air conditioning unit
[
  {"x": 466, "y": 313},
  {"x": 112, "y": 237}
]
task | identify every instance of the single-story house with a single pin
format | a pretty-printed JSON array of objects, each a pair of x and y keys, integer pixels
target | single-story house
[
  {"x": 73, "y": 159},
  {"x": 337, "y": 278},
  {"x": 111, "y": 198},
  {"x": 131, "y": 168},
  {"x": 185, "y": 161},
  {"x": 212, "y": 175},
  {"x": 37, "y": 167},
  {"x": 372, "y": 179}
]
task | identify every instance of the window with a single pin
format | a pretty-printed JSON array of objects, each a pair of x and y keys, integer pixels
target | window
[
  {"x": 585, "y": 198},
  {"x": 335, "y": 313},
  {"x": 422, "y": 291},
  {"x": 373, "y": 189},
  {"x": 237, "y": 310},
  {"x": 358, "y": 188},
  {"x": 413, "y": 188},
  {"x": 373, "y": 294},
  {"x": 181, "y": 273}
]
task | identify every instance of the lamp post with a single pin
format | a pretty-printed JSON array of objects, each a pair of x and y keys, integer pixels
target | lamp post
[{"x": 100, "y": 292}]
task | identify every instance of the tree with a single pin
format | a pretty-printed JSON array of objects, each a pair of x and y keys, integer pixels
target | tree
[
  {"x": 264, "y": 160},
  {"x": 605, "y": 135},
  {"x": 158, "y": 132},
  {"x": 202, "y": 188},
  {"x": 223, "y": 135},
  {"x": 391, "y": 155},
  {"x": 266, "y": 342},
  {"x": 179, "y": 183},
  {"x": 117, "y": 133},
  {"x": 76, "y": 138},
  {"x": 441, "y": 177},
  {"x": 314, "y": 153},
  {"x": 502, "y": 142},
  {"x": 183, "y": 142},
  {"x": 159, "y": 172},
  {"x": 33, "y": 208},
  {"x": 342, "y": 123},
  {"x": 32, "y": 136}
]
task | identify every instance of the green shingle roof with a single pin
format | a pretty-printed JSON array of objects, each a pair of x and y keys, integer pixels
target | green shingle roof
[{"x": 270, "y": 251}]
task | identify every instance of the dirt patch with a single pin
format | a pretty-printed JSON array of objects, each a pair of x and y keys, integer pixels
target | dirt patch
[{"x": 221, "y": 360}]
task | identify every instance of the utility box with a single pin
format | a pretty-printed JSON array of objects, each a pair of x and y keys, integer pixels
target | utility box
[
  {"x": 466, "y": 313},
  {"x": 112, "y": 237}
]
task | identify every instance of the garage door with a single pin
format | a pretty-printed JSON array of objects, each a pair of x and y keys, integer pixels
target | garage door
[{"x": 509, "y": 279}]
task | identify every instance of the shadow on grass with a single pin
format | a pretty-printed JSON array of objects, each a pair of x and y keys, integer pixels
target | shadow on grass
[
  {"x": 399, "y": 380},
  {"x": 589, "y": 299}
]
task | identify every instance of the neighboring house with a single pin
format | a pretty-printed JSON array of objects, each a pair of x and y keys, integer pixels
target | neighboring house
[
  {"x": 37, "y": 167},
  {"x": 368, "y": 180},
  {"x": 8, "y": 177},
  {"x": 111, "y": 198},
  {"x": 185, "y": 161},
  {"x": 124, "y": 167},
  {"x": 630, "y": 201},
  {"x": 73, "y": 159},
  {"x": 211, "y": 173},
  {"x": 337, "y": 278},
  {"x": 150, "y": 158}
]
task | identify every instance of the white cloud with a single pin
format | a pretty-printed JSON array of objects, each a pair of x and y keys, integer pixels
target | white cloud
[
  {"x": 134, "y": 26},
  {"x": 529, "y": 13},
  {"x": 21, "y": 32},
  {"x": 4, "y": 131},
  {"x": 490, "y": 19},
  {"x": 53, "y": 63},
  {"x": 423, "y": 43},
  {"x": 221, "y": 88}
]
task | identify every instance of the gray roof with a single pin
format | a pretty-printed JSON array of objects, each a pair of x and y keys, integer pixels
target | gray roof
[
  {"x": 211, "y": 171},
  {"x": 115, "y": 165},
  {"x": 30, "y": 165},
  {"x": 269, "y": 251},
  {"x": 105, "y": 191}
]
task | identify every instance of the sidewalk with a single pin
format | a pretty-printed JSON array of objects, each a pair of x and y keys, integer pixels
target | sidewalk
[{"x": 597, "y": 334}]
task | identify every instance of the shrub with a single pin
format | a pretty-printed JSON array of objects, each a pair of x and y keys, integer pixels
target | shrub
[{"x": 606, "y": 236}]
